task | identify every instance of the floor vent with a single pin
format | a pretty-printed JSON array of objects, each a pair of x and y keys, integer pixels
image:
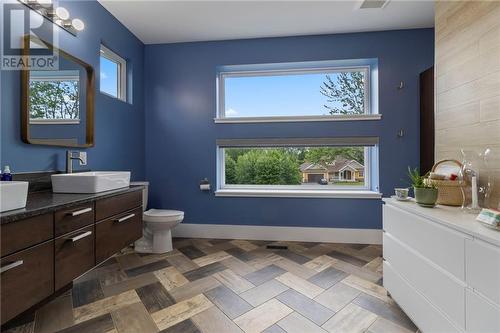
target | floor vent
[
  {"x": 277, "y": 247},
  {"x": 373, "y": 4}
]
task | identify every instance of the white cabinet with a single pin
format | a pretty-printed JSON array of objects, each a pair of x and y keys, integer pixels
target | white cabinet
[
  {"x": 482, "y": 316},
  {"x": 446, "y": 246},
  {"x": 440, "y": 269},
  {"x": 442, "y": 289},
  {"x": 483, "y": 268},
  {"x": 416, "y": 306}
]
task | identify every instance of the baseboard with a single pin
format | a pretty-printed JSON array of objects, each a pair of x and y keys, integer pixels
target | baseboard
[{"x": 301, "y": 234}]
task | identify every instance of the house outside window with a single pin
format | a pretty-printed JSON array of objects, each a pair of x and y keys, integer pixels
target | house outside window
[{"x": 296, "y": 167}]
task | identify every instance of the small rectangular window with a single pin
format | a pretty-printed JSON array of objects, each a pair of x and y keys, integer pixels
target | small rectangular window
[
  {"x": 296, "y": 164},
  {"x": 113, "y": 74},
  {"x": 295, "y": 92}
]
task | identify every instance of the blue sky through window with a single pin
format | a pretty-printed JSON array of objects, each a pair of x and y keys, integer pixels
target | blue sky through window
[
  {"x": 279, "y": 95},
  {"x": 109, "y": 77}
]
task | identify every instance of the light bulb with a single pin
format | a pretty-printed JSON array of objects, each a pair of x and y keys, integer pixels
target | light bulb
[
  {"x": 59, "y": 22},
  {"x": 78, "y": 24},
  {"x": 62, "y": 13}
]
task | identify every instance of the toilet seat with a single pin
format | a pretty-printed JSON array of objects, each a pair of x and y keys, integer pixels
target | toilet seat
[{"x": 162, "y": 215}]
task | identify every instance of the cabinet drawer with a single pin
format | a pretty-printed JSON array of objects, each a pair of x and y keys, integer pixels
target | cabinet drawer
[
  {"x": 74, "y": 255},
  {"x": 482, "y": 316},
  {"x": 22, "y": 234},
  {"x": 118, "y": 204},
  {"x": 70, "y": 219},
  {"x": 443, "y": 291},
  {"x": 27, "y": 278},
  {"x": 483, "y": 268},
  {"x": 441, "y": 245},
  {"x": 418, "y": 308},
  {"x": 117, "y": 232}
]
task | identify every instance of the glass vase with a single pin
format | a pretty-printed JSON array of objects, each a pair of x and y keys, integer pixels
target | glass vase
[{"x": 477, "y": 179}]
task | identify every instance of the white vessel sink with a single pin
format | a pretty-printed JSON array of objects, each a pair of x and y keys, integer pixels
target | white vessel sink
[
  {"x": 90, "y": 182},
  {"x": 13, "y": 195}
]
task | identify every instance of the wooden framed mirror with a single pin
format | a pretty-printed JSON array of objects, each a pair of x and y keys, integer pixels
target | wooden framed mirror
[{"x": 57, "y": 103}]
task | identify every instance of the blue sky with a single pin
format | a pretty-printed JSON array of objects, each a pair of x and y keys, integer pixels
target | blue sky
[
  {"x": 281, "y": 95},
  {"x": 109, "y": 77}
]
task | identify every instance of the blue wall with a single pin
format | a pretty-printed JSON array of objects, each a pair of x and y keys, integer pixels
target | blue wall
[
  {"x": 180, "y": 102},
  {"x": 119, "y": 126}
]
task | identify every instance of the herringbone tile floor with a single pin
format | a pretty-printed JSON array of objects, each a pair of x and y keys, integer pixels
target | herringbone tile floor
[{"x": 218, "y": 286}]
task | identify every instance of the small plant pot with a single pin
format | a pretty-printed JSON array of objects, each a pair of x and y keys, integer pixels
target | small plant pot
[{"x": 426, "y": 197}]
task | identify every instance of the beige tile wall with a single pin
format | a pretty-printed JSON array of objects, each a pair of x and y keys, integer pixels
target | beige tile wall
[{"x": 468, "y": 81}]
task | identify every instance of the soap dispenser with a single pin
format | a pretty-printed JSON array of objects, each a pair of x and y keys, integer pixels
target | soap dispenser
[{"x": 6, "y": 175}]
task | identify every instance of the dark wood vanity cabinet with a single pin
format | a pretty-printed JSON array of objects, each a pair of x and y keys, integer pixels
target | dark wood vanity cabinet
[
  {"x": 70, "y": 219},
  {"x": 43, "y": 254},
  {"x": 27, "y": 278},
  {"x": 114, "y": 233},
  {"x": 25, "y": 233},
  {"x": 74, "y": 255},
  {"x": 118, "y": 204}
]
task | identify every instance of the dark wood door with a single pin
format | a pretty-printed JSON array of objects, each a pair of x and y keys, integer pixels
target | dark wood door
[
  {"x": 73, "y": 218},
  {"x": 117, "y": 232},
  {"x": 27, "y": 278},
  {"x": 19, "y": 235},
  {"x": 426, "y": 120},
  {"x": 118, "y": 204},
  {"x": 74, "y": 255}
]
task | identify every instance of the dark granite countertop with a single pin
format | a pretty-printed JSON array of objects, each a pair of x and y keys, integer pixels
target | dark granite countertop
[{"x": 43, "y": 202}]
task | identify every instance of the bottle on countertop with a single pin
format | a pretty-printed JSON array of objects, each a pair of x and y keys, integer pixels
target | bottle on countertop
[{"x": 6, "y": 175}]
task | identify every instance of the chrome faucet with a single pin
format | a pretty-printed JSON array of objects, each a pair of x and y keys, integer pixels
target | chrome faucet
[{"x": 70, "y": 158}]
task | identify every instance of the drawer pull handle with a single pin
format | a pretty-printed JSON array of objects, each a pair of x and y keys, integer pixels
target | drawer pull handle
[
  {"x": 14, "y": 264},
  {"x": 80, "y": 236},
  {"x": 80, "y": 212},
  {"x": 125, "y": 218}
]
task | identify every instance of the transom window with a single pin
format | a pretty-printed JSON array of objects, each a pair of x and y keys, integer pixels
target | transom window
[
  {"x": 113, "y": 74},
  {"x": 297, "y": 92}
]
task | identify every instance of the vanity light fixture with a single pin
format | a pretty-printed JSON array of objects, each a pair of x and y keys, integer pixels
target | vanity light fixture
[
  {"x": 45, "y": 3},
  {"x": 78, "y": 24},
  {"x": 62, "y": 13},
  {"x": 58, "y": 15}
]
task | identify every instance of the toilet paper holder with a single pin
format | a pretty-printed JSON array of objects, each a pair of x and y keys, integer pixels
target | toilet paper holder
[{"x": 204, "y": 185}]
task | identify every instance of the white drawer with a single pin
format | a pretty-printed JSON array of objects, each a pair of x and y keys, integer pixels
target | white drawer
[
  {"x": 445, "y": 292},
  {"x": 444, "y": 246},
  {"x": 483, "y": 268},
  {"x": 482, "y": 316},
  {"x": 428, "y": 318}
]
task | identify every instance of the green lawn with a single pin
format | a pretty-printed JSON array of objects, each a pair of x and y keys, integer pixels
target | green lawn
[{"x": 348, "y": 183}]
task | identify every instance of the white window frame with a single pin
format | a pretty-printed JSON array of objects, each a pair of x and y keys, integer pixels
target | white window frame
[
  {"x": 122, "y": 73},
  {"x": 369, "y": 114},
  {"x": 315, "y": 191},
  {"x": 39, "y": 121}
]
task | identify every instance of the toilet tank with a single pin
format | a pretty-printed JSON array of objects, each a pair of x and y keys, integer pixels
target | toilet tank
[{"x": 144, "y": 193}]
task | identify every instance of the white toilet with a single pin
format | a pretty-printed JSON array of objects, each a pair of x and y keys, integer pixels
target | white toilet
[{"x": 158, "y": 223}]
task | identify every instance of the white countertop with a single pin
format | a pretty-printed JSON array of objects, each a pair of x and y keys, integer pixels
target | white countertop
[{"x": 452, "y": 217}]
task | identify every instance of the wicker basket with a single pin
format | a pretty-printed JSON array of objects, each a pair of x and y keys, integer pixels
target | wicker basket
[{"x": 449, "y": 191}]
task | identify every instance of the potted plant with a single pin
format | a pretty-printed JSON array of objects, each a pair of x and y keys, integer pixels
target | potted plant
[{"x": 426, "y": 193}]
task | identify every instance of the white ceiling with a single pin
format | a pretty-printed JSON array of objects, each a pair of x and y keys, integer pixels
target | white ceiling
[{"x": 165, "y": 21}]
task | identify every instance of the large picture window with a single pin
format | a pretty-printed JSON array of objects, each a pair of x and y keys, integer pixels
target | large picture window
[
  {"x": 296, "y": 166},
  {"x": 296, "y": 92}
]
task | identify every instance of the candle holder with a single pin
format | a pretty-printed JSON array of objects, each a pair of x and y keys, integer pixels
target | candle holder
[{"x": 478, "y": 181}]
